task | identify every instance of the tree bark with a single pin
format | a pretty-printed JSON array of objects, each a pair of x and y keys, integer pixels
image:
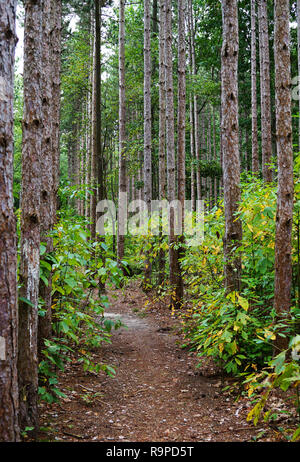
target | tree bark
[
  {"x": 30, "y": 217},
  {"x": 94, "y": 160},
  {"x": 298, "y": 48},
  {"x": 55, "y": 50},
  {"x": 147, "y": 128},
  {"x": 230, "y": 144},
  {"x": 173, "y": 260},
  {"x": 122, "y": 134},
  {"x": 255, "y": 159},
  {"x": 47, "y": 174},
  {"x": 9, "y": 402},
  {"x": 285, "y": 194},
  {"x": 196, "y": 117},
  {"x": 181, "y": 120},
  {"x": 191, "y": 112},
  {"x": 265, "y": 95},
  {"x": 162, "y": 128}
]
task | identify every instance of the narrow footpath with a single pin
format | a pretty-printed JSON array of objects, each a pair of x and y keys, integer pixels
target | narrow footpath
[{"x": 157, "y": 395}]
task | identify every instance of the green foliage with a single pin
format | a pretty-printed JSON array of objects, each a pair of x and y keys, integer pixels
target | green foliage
[
  {"x": 78, "y": 316},
  {"x": 223, "y": 328},
  {"x": 283, "y": 372},
  {"x": 236, "y": 330}
]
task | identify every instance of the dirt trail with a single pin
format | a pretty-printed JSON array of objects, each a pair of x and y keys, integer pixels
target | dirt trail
[{"x": 157, "y": 394}]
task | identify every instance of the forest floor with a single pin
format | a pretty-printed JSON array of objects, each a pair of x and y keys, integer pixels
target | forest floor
[{"x": 157, "y": 395}]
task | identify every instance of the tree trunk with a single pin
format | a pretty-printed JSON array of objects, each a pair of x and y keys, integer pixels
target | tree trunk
[
  {"x": 265, "y": 96},
  {"x": 47, "y": 176},
  {"x": 97, "y": 148},
  {"x": 122, "y": 135},
  {"x": 181, "y": 139},
  {"x": 162, "y": 128},
  {"x": 215, "y": 157},
  {"x": 298, "y": 47},
  {"x": 230, "y": 144},
  {"x": 191, "y": 112},
  {"x": 147, "y": 128},
  {"x": 9, "y": 402},
  {"x": 55, "y": 44},
  {"x": 196, "y": 117},
  {"x": 255, "y": 160},
  {"x": 94, "y": 160},
  {"x": 30, "y": 217},
  {"x": 50, "y": 158},
  {"x": 173, "y": 260},
  {"x": 285, "y": 194}
]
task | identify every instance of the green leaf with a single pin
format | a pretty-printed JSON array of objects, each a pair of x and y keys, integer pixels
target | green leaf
[
  {"x": 278, "y": 362},
  {"x": 25, "y": 300}
]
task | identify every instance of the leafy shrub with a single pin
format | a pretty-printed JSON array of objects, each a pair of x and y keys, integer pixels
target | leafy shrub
[
  {"x": 283, "y": 372},
  {"x": 78, "y": 316}
]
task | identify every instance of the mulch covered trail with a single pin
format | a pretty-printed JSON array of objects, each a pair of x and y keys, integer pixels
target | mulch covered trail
[{"x": 158, "y": 395}]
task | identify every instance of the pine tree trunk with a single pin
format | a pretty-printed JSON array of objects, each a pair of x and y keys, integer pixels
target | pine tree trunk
[
  {"x": 230, "y": 143},
  {"x": 173, "y": 260},
  {"x": 47, "y": 175},
  {"x": 147, "y": 128},
  {"x": 162, "y": 128},
  {"x": 196, "y": 116},
  {"x": 265, "y": 95},
  {"x": 9, "y": 400},
  {"x": 30, "y": 217},
  {"x": 298, "y": 48},
  {"x": 98, "y": 152},
  {"x": 55, "y": 44},
  {"x": 285, "y": 194},
  {"x": 122, "y": 134},
  {"x": 255, "y": 159},
  {"x": 94, "y": 159},
  {"x": 215, "y": 156},
  {"x": 181, "y": 139},
  {"x": 191, "y": 111}
]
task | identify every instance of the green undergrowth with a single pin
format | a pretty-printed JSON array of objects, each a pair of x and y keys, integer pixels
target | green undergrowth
[{"x": 76, "y": 265}]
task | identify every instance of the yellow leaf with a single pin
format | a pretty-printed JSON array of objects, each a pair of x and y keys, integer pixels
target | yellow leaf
[
  {"x": 243, "y": 302},
  {"x": 270, "y": 335},
  {"x": 250, "y": 391},
  {"x": 250, "y": 227}
]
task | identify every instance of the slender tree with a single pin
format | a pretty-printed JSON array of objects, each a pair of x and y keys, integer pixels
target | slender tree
[
  {"x": 285, "y": 195},
  {"x": 255, "y": 159},
  {"x": 95, "y": 128},
  {"x": 97, "y": 146},
  {"x": 55, "y": 53},
  {"x": 30, "y": 217},
  {"x": 9, "y": 400},
  {"x": 147, "y": 126},
  {"x": 171, "y": 168},
  {"x": 298, "y": 48},
  {"x": 196, "y": 116},
  {"x": 191, "y": 110},
  {"x": 181, "y": 131},
  {"x": 49, "y": 161},
  {"x": 265, "y": 91},
  {"x": 230, "y": 143},
  {"x": 162, "y": 126},
  {"x": 122, "y": 133}
]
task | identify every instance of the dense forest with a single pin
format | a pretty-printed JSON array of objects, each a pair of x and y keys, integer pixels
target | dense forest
[{"x": 149, "y": 159}]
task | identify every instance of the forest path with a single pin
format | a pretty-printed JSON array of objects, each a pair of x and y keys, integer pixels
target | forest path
[{"x": 157, "y": 394}]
